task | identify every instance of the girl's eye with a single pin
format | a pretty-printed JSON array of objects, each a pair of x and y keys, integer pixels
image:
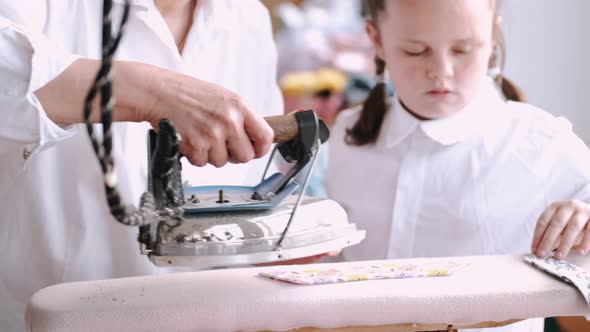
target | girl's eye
[
  {"x": 463, "y": 50},
  {"x": 415, "y": 53},
  {"x": 466, "y": 48}
]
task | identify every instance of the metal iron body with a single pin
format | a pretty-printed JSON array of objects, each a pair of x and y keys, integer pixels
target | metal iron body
[
  {"x": 236, "y": 225},
  {"x": 250, "y": 237}
]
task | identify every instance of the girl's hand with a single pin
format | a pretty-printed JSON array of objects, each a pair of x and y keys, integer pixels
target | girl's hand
[{"x": 561, "y": 227}]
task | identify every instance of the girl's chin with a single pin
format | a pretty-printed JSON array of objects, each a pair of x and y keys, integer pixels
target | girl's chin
[
  {"x": 433, "y": 113},
  {"x": 438, "y": 110}
]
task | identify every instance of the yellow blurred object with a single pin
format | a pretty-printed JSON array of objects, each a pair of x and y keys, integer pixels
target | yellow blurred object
[
  {"x": 299, "y": 83},
  {"x": 309, "y": 83}
]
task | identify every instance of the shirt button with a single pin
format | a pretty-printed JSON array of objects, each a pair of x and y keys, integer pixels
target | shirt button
[{"x": 26, "y": 154}]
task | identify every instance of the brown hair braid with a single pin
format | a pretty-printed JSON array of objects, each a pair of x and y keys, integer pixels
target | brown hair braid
[{"x": 366, "y": 129}]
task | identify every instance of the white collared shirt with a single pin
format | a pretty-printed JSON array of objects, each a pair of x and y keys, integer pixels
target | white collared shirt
[
  {"x": 474, "y": 183},
  {"x": 55, "y": 225}
]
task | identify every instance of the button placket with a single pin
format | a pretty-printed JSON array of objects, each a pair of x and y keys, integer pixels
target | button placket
[{"x": 407, "y": 199}]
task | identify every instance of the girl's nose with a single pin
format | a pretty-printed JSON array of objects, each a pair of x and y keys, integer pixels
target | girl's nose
[{"x": 440, "y": 67}]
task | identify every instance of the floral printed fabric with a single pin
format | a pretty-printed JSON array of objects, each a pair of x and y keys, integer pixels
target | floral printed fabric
[
  {"x": 565, "y": 271},
  {"x": 363, "y": 272}
]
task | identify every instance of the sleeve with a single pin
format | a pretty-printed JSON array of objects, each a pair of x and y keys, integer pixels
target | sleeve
[
  {"x": 28, "y": 61},
  {"x": 571, "y": 176},
  {"x": 568, "y": 175}
]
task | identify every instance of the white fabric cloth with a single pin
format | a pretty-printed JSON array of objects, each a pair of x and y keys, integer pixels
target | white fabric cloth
[
  {"x": 55, "y": 222},
  {"x": 474, "y": 183},
  {"x": 491, "y": 288}
]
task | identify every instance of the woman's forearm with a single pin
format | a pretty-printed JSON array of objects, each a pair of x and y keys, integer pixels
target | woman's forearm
[
  {"x": 214, "y": 123},
  {"x": 63, "y": 98}
]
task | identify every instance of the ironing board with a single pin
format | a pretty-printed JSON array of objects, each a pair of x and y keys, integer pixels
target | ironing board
[{"x": 491, "y": 291}]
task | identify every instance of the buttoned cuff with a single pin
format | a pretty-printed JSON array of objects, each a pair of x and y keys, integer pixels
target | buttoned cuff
[
  {"x": 28, "y": 62},
  {"x": 27, "y": 126}
]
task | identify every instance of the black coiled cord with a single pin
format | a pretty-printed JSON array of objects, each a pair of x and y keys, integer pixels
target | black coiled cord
[{"x": 128, "y": 215}]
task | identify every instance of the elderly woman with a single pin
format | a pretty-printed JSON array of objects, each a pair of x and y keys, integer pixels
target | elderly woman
[{"x": 207, "y": 65}]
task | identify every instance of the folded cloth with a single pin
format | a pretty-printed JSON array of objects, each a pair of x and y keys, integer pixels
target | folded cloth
[
  {"x": 565, "y": 271},
  {"x": 306, "y": 276}
]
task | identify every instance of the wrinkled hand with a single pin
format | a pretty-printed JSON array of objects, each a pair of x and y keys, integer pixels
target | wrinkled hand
[
  {"x": 304, "y": 260},
  {"x": 214, "y": 123},
  {"x": 562, "y": 226}
]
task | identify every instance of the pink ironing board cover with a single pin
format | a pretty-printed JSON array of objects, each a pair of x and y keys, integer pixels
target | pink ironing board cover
[{"x": 490, "y": 288}]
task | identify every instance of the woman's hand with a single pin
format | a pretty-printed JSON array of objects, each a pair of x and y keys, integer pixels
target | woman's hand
[
  {"x": 215, "y": 124},
  {"x": 563, "y": 226}
]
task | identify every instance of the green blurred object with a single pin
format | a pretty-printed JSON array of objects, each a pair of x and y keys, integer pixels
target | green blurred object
[
  {"x": 551, "y": 325},
  {"x": 359, "y": 86}
]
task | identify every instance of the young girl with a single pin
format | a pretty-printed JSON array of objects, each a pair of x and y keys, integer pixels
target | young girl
[{"x": 448, "y": 167}]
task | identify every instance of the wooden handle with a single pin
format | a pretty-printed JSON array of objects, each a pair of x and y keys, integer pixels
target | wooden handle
[{"x": 285, "y": 127}]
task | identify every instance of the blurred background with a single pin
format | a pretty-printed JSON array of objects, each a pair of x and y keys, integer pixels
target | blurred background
[
  {"x": 326, "y": 64},
  {"x": 548, "y": 47},
  {"x": 323, "y": 52},
  {"x": 325, "y": 58}
]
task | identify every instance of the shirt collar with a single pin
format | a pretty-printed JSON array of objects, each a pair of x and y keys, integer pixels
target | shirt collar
[
  {"x": 450, "y": 130},
  {"x": 206, "y": 8},
  {"x": 139, "y": 3},
  {"x": 398, "y": 123}
]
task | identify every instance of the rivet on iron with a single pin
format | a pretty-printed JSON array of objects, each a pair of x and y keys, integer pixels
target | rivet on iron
[{"x": 221, "y": 198}]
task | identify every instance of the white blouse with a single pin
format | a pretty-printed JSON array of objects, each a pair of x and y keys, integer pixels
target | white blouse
[
  {"x": 470, "y": 184},
  {"x": 55, "y": 225}
]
